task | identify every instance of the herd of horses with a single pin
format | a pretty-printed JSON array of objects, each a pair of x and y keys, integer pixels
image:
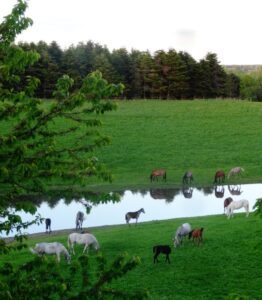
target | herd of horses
[
  {"x": 187, "y": 178},
  {"x": 88, "y": 239}
]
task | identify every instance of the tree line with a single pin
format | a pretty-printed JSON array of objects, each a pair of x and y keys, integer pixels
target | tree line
[{"x": 162, "y": 75}]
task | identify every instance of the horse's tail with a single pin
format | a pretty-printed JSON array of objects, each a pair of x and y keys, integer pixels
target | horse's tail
[
  {"x": 229, "y": 174},
  {"x": 164, "y": 176},
  {"x": 151, "y": 177},
  {"x": 154, "y": 249}
]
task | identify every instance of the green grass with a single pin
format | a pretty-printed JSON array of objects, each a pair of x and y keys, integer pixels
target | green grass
[
  {"x": 202, "y": 136},
  {"x": 229, "y": 261}
]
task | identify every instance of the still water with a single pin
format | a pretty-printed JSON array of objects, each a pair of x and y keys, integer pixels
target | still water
[{"x": 159, "y": 204}]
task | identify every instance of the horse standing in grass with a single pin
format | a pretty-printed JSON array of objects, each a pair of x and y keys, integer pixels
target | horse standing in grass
[
  {"x": 219, "y": 176},
  {"x": 48, "y": 225},
  {"x": 235, "y": 172},
  {"x": 237, "y": 205},
  {"x": 181, "y": 232},
  {"x": 79, "y": 220},
  {"x": 197, "y": 235},
  {"x": 165, "y": 249},
  {"x": 51, "y": 248},
  {"x": 188, "y": 177},
  {"x": 133, "y": 215},
  {"x": 86, "y": 239},
  {"x": 158, "y": 173}
]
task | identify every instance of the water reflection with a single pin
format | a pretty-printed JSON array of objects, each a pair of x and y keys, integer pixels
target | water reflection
[{"x": 172, "y": 203}]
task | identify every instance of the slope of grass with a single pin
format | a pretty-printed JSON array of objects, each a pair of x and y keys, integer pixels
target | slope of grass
[
  {"x": 202, "y": 136},
  {"x": 228, "y": 261}
]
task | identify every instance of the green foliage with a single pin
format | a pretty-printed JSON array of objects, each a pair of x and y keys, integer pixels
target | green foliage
[
  {"x": 32, "y": 154},
  {"x": 42, "y": 279},
  {"x": 258, "y": 207}
]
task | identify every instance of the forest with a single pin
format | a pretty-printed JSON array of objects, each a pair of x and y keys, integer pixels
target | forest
[{"x": 162, "y": 75}]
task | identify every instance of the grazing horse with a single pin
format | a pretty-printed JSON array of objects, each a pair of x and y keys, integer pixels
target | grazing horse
[
  {"x": 134, "y": 215},
  {"x": 235, "y": 171},
  {"x": 219, "y": 176},
  {"x": 188, "y": 177},
  {"x": 48, "y": 225},
  {"x": 158, "y": 173},
  {"x": 86, "y": 239},
  {"x": 237, "y": 205},
  {"x": 79, "y": 220},
  {"x": 165, "y": 249},
  {"x": 181, "y": 232},
  {"x": 227, "y": 201},
  {"x": 51, "y": 248},
  {"x": 197, "y": 235}
]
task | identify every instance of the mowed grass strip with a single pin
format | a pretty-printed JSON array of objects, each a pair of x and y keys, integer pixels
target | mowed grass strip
[{"x": 228, "y": 261}]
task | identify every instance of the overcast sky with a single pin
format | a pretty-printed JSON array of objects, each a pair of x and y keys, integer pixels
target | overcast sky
[{"x": 229, "y": 28}]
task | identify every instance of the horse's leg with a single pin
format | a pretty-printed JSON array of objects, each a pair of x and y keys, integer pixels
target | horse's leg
[
  {"x": 58, "y": 256},
  {"x": 86, "y": 247},
  {"x": 167, "y": 258}
]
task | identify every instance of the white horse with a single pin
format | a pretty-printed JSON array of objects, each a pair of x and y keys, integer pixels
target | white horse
[
  {"x": 86, "y": 239},
  {"x": 51, "y": 248},
  {"x": 235, "y": 171},
  {"x": 237, "y": 205},
  {"x": 182, "y": 231}
]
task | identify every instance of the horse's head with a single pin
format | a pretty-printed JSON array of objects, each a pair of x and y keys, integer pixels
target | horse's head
[
  {"x": 142, "y": 210},
  {"x": 176, "y": 242}
]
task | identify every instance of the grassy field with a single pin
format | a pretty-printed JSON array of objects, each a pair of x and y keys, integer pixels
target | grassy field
[
  {"x": 202, "y": 136},
  {"x": 228, "y": 261}
]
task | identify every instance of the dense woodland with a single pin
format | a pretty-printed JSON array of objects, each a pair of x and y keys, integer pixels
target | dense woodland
[{"x": 163, "y": 75}]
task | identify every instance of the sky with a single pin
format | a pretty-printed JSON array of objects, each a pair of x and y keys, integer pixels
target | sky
[{"x": 229, "y": 28}]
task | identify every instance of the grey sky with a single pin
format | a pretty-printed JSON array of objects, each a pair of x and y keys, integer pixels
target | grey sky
[{"x": 230, "y": 28}]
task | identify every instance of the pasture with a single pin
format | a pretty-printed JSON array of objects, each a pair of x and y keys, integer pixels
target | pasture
[
  {"x": 228, "y": 261},
  {"x": 201, "y": 136}
]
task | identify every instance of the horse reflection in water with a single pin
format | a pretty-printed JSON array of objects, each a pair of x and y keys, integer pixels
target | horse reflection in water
[
  {"x": 219, "y": 191},
  {"x": 235, "y": 190},
  {"x": 187, "y": 192},
  {"x": 164, "y": 194}
]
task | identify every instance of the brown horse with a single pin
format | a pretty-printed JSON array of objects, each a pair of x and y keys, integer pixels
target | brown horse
[
  {"x": 158, "y": 173},
  {"x": 219, "y": 176},
  {"x": 227, "y": 202}
]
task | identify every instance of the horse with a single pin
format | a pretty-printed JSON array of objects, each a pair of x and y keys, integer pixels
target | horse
[
  {"x": 165, "y": 249},
  {"x": 237, "y": 205},
  {"x": 235, "y": 171},
  {"x": 51, "y": 248},
  {"x": 181, "y": 232},
  {"x": 219, "y": 176},
  {"x": 227, "y": 201},
  {"x": 79, "y": 220},
  {"x": 188, "y": 177},
  {"x": 134, "y": 215},
  {"x": 48, "y": 225},
  {"x": 86, "y": 239},
  {"x": 158, "y": 173},
  {"x": 196, "y": 234}
]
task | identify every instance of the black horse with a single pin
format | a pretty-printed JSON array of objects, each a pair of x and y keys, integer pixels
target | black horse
[
  {"x": 165, "y": 249},
  {"x": 48, "y": 225}
]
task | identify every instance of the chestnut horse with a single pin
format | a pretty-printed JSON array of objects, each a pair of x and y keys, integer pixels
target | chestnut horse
[
  {"x": 219, "y": 176},
  {"x": 158, "y": 173}
]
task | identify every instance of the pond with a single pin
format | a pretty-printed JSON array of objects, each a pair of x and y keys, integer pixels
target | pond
[{"x": 159, "y": 204}]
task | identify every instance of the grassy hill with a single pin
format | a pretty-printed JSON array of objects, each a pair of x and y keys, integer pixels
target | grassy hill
[
  {"x": 228, "y": 261},
  {"x": 199, "y": 135}
]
